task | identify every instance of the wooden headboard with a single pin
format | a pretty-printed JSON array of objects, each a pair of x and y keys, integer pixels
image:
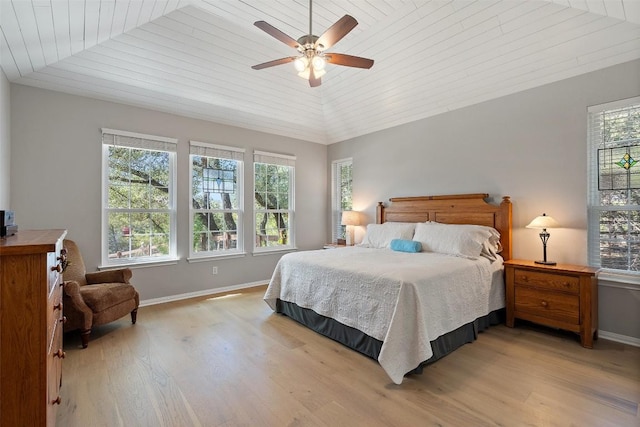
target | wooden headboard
[{"x": 452, "y": 209}]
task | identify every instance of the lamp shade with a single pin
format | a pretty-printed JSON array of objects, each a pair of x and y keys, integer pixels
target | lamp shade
[
  {"x": 350, "y": 218},
  {"x": 543, "y": 222}
]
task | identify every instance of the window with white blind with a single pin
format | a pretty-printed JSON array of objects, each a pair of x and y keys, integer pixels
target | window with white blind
[
  {"x": 216, "y": 214},
  {"x": 341, "y": 195},
  {"x": 138, "y": 203},
  {"x": 614, "y": 186},
  {"x": 273, "y": 201}
]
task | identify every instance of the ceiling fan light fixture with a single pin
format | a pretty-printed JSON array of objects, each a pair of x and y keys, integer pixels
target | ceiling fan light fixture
[
  {"x": 301, "y": 64},
  {"x": 311, "y": 62},
  {"x": 306, "y": 73},
  {"x": 318, "y": 63}
]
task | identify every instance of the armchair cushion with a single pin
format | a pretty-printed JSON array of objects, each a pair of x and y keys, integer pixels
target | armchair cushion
[
  {"x": 102, "y": 296},
  {"x": 109, "y": 276},
  {"x": 78, "y": 314}
]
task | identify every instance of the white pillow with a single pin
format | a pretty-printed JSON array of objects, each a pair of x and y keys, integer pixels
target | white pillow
[
  {"x": 380, "y": 235},
  {"x": 463, "y": 240},
  {"x": 492, "y": 246}
]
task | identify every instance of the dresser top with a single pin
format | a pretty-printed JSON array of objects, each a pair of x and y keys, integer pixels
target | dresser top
[{"x": 31, "y": 241}]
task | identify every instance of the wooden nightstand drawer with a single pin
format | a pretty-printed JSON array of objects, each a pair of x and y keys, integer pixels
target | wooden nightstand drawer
[
  {"x": 548, "y": 304},
  {"x": 551, "y": 281}
]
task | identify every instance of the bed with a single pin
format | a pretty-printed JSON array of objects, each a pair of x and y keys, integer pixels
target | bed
[{"x": 404, "y": 308}]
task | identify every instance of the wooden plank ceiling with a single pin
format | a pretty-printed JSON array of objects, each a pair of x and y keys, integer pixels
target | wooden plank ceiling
[{"x": 193, "y": 57}]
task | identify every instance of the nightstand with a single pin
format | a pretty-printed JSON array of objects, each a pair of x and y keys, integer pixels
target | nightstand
[{"x": 562, "y": 296}]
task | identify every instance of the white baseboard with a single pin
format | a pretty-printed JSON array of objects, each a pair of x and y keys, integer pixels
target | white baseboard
[
  {"x": 619, "y": 338},
  {"x": 207, "y": 292}
]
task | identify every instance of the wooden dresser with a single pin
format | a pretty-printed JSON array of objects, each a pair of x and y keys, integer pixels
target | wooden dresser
[
  {"x": 30, "y": 327},
  {"x": 562, "y": 296}
]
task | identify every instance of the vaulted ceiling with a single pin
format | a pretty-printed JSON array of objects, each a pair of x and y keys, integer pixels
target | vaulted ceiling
[{"x": 194, "y": 57}]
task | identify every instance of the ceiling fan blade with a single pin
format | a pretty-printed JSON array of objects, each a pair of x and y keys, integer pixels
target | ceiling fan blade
[
  {"x": 276, "y": 33},
  {"x": 336, "y": 32},
  {"x": 313, "y": 80},
  {"x": 348, "y": 60},
  {"x": 274, "y": 63}
]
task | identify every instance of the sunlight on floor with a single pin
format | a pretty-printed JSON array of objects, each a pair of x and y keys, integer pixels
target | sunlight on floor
[{"x": 224, "y": 296}]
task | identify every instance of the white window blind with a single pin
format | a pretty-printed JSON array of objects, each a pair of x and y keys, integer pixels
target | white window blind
[
  {"x": 614, "y": 186},
  {"x": 215, "y": 150},
  {"x": 138, "y": 140},
  {"x": 274, "y": 159}
]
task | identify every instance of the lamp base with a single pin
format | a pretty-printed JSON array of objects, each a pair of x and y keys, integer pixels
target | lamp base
[{"x": 546, "y": 262}]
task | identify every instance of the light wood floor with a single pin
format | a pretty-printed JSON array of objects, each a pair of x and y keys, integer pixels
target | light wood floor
[{"x": 230, "y": 362}]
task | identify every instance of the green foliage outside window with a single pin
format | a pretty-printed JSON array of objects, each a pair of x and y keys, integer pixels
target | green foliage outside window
[
  {"x": 138, "y": 203},
  {"x": 272, "y": 204},
  {"x": 215, "y": 203}
]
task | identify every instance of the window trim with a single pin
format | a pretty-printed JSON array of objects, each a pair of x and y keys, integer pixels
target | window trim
[
  {"x": 288, "y": 160},
  {"x": 594, "y": 207},
  {"x": 227, "y": 153},
  {"x": 168, "y": 145}
]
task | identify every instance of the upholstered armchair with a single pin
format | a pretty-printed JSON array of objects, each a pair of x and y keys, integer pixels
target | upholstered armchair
[{"x": 92, "y": 299}]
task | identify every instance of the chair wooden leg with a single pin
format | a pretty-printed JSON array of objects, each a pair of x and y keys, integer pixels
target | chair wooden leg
[
  {"x": 134, "y": 316},
  {"x": 84, "y": 336}
]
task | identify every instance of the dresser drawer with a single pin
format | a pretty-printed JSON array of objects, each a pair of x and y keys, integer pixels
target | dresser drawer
[
  {"x": 55, "y": 270},
  {"x": 544, "y": 280},
  {"x": 54, "y": 311},
  {"x": 548, "y": 304},
  {"x": 54, "y": 374}
]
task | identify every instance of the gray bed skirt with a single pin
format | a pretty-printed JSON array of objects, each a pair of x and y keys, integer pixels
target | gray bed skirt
[{"x": 369, "y": 346}]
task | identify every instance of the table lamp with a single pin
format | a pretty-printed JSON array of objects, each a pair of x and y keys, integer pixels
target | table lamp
[
  {"x": 350, "y": 218},
  {"x": 543, "y": 222}
]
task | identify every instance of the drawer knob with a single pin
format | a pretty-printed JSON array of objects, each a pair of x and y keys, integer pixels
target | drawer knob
[
  {"x": 544, "y": 304},
  {"x": 525, "y": 278},
  {"x": 58, "y": 306},
  {"x": 57, "y": 268},
  {"x": 57, "y": 401},
  {"x": 60, "y": 353},
  {"x": 63, "y": 319}
]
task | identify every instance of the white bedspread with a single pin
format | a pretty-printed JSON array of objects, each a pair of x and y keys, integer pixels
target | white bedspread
[{"x": 404, "y": 300}]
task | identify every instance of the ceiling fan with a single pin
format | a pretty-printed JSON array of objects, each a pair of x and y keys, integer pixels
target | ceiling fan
[{"x": 311, "y": 61}]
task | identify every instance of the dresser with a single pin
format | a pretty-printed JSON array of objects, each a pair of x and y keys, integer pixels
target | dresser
[
  {"x": 31, "y": 327},
  {"x": 562, "y": 296}
]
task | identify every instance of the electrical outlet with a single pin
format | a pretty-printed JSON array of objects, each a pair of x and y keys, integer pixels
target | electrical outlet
[{"x": 215, "y": 270}]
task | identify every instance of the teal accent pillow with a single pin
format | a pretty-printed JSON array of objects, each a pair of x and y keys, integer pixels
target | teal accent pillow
[{"x": 401, "y": 245}]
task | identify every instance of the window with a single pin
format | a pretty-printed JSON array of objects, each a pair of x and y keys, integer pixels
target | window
[
  {"x": 273, "y": 203},
  {"x": 216, "y": 199},
  {"x": 138, "y": 208},
  {"x": 614, "y": 186},
  {"x": 341, "y": 199}
]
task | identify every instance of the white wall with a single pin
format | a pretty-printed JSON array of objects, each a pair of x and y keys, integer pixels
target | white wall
[
  {"x": 5, "y": 142},
  {"x": 530, "y": 146},
  {"x": 56, "y": 182}
]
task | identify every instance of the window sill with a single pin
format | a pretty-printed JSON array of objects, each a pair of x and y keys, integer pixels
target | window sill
[
  {"x": 164, "y": 261},
  {"x": 614, "y": 279},
  {"x": 273, "y": 251},
  {"x": 216, "y": 257}
]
